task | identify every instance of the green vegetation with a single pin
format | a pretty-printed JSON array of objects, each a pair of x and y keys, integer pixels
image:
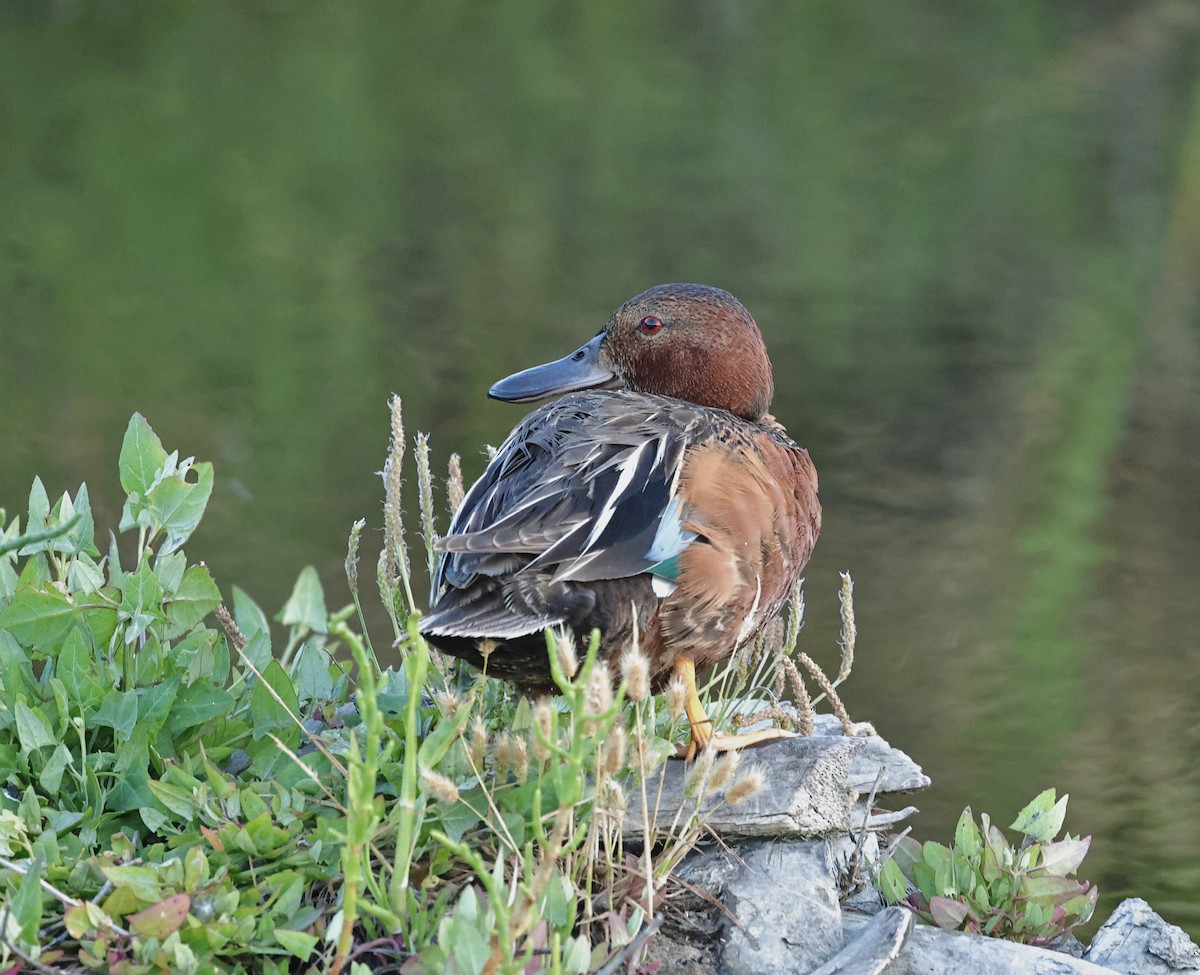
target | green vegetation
[
  {"x": 182, "y": 798},
  {"x": 983, "y": 885}
]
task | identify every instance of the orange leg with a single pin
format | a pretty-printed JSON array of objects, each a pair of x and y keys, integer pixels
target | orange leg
[{"x": 702, "y": 729}]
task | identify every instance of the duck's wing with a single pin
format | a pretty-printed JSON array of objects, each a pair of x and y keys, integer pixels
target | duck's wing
[{"x": 584, "y": 488}]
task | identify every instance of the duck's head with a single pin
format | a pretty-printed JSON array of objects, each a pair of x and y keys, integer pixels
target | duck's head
[{"x": 688, "y": 341}]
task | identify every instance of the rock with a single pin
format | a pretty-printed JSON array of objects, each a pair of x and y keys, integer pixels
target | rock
[
  {"x": 930, "y": 951},
  {"x": 900, "y": 773},
  {"x": 876, "y": 946},
  {"x": 784, "y": 897},
  {"x": 1136, "y": 941},
  {"x": 804, "y": 792}
]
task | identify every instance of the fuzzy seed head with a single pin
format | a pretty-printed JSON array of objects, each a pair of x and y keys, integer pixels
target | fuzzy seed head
[
  {"x": 723, "y": 770},
  {"x": 635, "y": 671},
  {"x": 479, "y": 742},
  {"x": 503, "y": 755},
  {"x": 697, "y": 778},
  {"x": 519, "y": 758},
  {"x": 448, "y": 702},
  {"x": 438, "y": 786},
  {"x": 454, "y": 485},
  {"x": 564, "y": 648},
  {"x": 543, "y": 716},
  {"x": 598, "y": 694},
  {"x": 614, "y": 751},
  {"x": 676, "y": 697},
  {"x": 748, "y": 784},
  {"x": 614, "y": 798}
]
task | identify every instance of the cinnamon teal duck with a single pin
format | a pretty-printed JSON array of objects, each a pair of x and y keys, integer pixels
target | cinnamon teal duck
[{"x": 655, "y": 494}]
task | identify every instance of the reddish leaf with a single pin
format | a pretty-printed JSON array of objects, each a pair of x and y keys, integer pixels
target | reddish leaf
[{"x": 161, "y": 920}]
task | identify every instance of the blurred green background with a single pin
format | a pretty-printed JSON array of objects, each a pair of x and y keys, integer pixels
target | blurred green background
[{"x": 970, "y": 233}]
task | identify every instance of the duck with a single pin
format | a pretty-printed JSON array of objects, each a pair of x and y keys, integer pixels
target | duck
[{"x": 653, "y": 498}]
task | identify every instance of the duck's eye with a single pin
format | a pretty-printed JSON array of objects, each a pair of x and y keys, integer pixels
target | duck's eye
[{"x": 650, "y": 325}]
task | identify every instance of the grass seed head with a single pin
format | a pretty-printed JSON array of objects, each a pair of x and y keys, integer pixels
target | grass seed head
[
  {"x": 614, "y": 751},
  {"x": 748, "y": 784},
  {"x": 697, "y": 778},
  {"x": 479, "y": 741},
  {"x": 564, "y": 647},
  {"x": 598, "y": 695},
  {"x": 635, "y": 671},
  {"x": 723, "y": 770},
  {"x": 543, "y": 716},
  {"x": 676, "y": 697},
  {"x": 438, "y": 786}
]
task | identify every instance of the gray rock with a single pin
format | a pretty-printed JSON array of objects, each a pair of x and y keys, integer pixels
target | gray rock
[
  {"x": 900, "y": 773},
  {"x": 804, "y": 792},
  {"x": 1136, "y": 941},
  {"x": 788, "y": 918},
  {"x": 875, "y": 947},
  {"x": 929, "y": 951}
]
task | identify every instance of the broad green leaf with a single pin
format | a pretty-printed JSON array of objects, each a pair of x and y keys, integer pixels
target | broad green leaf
[
  {"x": 196, "y": 596},
  {"x": 143, "y": 881},
  {"x": 38, "y": 617},
  {"x": 197, "y": 703},
  {"x": 297, "y": 943},
  {"x": 1043, "y": 817},
  {"x": 178, "y": 505},
  {"x": 33, "y": 730},
  {"x": 141, "y": 602},
  {"x": 270, "y": 715},
  {"x": 892, "y": 883},
  {"x": 142, "y": 456},
  {"x": 76, "y": 668},
  {"x": 250, "y": 619},
  {"x": 154, "y": 704},
  {"x": 967, "y": 840},
  {"x": 26, "y": 903},
  {"x": 132, "y": 789},
  {"x": 1064, "y": 857},
  {"x": 306, "y": 605},
  {"x": 51, "y": 775},
  {"x": 311, "y": 672},
  {"x": 16, "y": 672},
  {"x": 119, "y": 711},
  {"x": 169, "y": 570}
]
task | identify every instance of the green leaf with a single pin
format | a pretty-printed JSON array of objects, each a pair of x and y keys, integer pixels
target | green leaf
[
  {"x": 119, "y": 711},
  {"x": 142, "y": 456},
  {"x": 297, "y": 943},
  {"x": 132, "y": 789},
  {"x": 141, "y": 602},
  {"x": 154, "y": 704},
  {"x": 178, "y": 505},
  {"x": 1064, "y": 857},
  {"x": 271, "y": 716},
  {"x": 196, "y": 704},
  {"x": 967, "y": 839},
  {"x": 250, "y": 619},
  {"x": 169, "y": 570},
  {"x": 311, "y": 672},
  {"x": 306, "y": 605},
  {"x": 1043, "y": 818},
  {"x": 196, "y": 597},
  {"x": 26, "y": 903},
  {"x": 892, "y": 882},
  {"x": 33, "y": 730},
  {"x": 51, "y": 776},
  {"x": 38, "y": 617},
  {"x": 77, "y": 669}
]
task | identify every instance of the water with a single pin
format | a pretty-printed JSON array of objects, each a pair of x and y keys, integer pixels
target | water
[{"x": 971, "y": 236}]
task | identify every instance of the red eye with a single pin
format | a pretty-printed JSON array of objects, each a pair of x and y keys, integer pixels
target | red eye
[{"x": 650, "y": 325}]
